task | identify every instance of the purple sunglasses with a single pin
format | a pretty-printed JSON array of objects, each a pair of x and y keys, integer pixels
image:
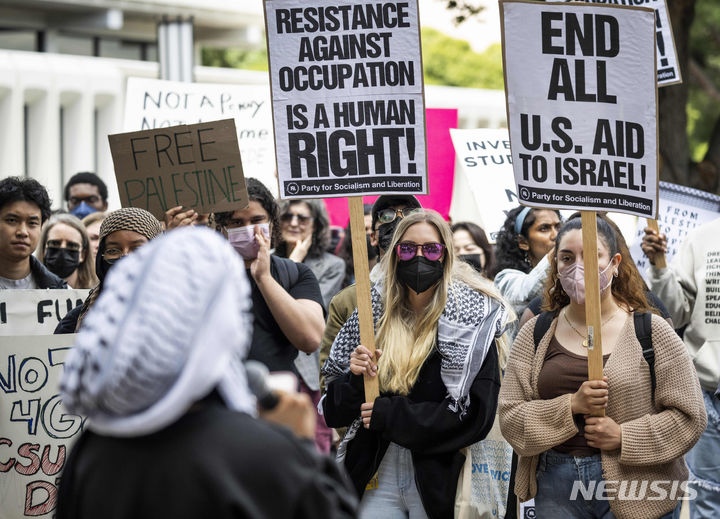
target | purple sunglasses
[{"x": 406, "y": 250}]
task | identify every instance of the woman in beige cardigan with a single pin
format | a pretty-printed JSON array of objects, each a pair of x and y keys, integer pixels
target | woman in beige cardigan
[{"x": 629, "y": 463}]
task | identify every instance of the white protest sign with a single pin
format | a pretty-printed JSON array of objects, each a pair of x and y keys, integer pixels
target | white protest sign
[
  {"x": 35, "y": 430},
  {"x": 36, "y": 312},
  {"x": 484, "y": 159},
  {"x": 347, "y": 91},
  {"x": 681, "y": 210},
  {"x": 582, "y": 105},
  {"x": 668, "y": 69},
  {"x": 154, "y": 103}
]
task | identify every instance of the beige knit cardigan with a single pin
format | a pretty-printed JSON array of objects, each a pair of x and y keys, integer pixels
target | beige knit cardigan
[{"x": 655, "y": 436}]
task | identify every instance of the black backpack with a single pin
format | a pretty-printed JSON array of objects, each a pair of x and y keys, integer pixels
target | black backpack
[{"x": 643, "y": 332}]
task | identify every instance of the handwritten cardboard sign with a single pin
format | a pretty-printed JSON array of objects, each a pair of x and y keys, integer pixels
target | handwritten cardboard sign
[{"x": 197, "y": 166}]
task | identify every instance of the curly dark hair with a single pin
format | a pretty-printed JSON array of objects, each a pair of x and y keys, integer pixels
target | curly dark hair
[
  {"x": 321, "y": 228},
  {"x": 628, "y": 287},
  {"x": 478, "y": 235},
  {"x": 507, "y": 253},
  {"x": 257, "y": 192},
  {"x": 87, "y": 177},
  {"x": 17, "y": 189}
]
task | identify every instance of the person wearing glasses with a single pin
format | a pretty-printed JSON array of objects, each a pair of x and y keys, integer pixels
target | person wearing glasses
[
  {"x": 121, "y": 233},
  {"x": 85, "y": 194},
  {"x": 287, "y": 303},
  {"x": 440, "y": 335},
  {"x": 65, "y": 251}
]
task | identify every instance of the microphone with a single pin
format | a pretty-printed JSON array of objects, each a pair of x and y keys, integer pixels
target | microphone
[{"x": 257, "y": 377}]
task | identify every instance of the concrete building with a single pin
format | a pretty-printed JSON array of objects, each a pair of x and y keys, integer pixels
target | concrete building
[{"x": 64, "y": 66}]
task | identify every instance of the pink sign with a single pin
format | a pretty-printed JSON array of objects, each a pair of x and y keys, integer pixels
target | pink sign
[{"x": 441, "y": 168}]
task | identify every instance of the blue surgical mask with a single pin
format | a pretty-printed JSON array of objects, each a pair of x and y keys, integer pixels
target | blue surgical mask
[{"x": 82, "y": 210}]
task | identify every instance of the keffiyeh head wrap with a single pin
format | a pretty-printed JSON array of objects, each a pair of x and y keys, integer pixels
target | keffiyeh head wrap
[{"x": 171, "y": 324}]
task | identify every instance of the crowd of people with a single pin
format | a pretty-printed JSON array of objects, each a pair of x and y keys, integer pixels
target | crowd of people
[{"x": 466, "y": 334}]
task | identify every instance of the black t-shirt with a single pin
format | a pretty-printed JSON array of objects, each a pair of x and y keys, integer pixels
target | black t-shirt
[{"x": 269, "y": 344}]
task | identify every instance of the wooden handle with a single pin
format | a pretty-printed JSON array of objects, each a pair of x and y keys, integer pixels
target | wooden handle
[
  {"x": 660, "y": 261},
  {"x": 593, "y": 317},
  {"x": 362, "y": 287}
]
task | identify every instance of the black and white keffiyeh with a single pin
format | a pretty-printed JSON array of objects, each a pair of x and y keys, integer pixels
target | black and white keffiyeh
[
  {"x": 467, "y": 329},
  {"x": 171, "y": 324}
]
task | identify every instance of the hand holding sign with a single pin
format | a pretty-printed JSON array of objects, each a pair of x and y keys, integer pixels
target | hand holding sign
[{"x": 196, "y": 166}]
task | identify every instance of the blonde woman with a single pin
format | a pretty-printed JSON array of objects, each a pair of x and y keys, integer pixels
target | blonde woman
[
  {"x": 436, "y": 325},
  {"x": 65, "y": 250}
]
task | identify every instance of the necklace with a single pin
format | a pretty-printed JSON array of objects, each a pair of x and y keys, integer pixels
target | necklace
[{"x": 584, "y": 338}]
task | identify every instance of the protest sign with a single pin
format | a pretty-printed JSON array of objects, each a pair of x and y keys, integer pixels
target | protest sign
[
  {"x": 35, "y": 430},
  {"x": 347, "y": 94},
  {"x": 681, "y": 210},
  {"x": 581, "y": 87},
  {"x": 155, "y": 103},
  {"x": 36, "y": 312},
  {"x": 668, "y": 69},
  {"x": 196, "y": 166},
  {"x": 441, "y": 169},
  {"x": 485, "y": 162}
]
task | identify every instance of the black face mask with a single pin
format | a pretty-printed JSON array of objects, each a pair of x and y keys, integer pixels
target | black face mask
[
  {"x": 385, "y": 234},
  {"x": 419, "y": 273},
  {"x": 474, "y": 260},
  {"x": 62, "y": 262}
]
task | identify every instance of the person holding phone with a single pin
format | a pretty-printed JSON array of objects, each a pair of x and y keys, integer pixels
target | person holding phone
[{"x": 436, "y": 324}]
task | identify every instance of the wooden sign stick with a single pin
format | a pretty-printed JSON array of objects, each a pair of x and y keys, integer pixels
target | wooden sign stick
[
  {"x": 593, "y": 317},
  {"x": 660, "y": 261},
  {"x": 362, "y": 287}
]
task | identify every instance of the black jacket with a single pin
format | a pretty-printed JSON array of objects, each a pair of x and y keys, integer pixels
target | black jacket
[
  {"x": 212, "y": 462},
  {"x": 420, "y": 422},
  {"x": 43, "y": 277}
]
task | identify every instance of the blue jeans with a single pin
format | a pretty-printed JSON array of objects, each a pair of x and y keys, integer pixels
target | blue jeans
[
  {"x": 396, "y": 496},
  {"x": 556, "y": 475},
  {"x": 703, "y": 460}
]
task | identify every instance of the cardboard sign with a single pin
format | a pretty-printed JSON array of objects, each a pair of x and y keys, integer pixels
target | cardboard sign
[
  {"x": 668, "y": 69},
  {"x": 36, "y": 312},
  {"x": 35, "y": 430},
  {"x": 197, "y": 166},
  {"x": 681, "y": 210},
  {"x": 581, "y": 86},
  {"x": 155, "y": 103},
  {"x": 347, "y": 92},
  {"x": 485, "y": 161}
]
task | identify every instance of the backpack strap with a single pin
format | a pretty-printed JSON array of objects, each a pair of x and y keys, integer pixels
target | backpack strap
[
  {"x": 643, "y": 332},
  {"x": 542, "y": 325}
]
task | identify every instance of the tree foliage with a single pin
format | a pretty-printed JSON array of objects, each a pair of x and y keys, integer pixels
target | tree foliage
[{"x": 449, "y": 61}]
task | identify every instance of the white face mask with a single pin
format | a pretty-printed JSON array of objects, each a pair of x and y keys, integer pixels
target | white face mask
[
  {"x": 572, "y": 280},
  {"x": 243, "y": 240}
]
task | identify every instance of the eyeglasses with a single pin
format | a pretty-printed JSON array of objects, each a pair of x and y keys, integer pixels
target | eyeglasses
[
  {"x": 407, "y": 250},
  {"x": 90, "y": 200},
  {"x": 69, "y": 245},
  {"x": 112, "y": 255},
  {"x": 302, "y": 219},
  {"x": 389, "y": 215}
]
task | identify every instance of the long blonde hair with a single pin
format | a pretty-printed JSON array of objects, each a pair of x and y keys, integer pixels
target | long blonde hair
[{"x": 405, "y": 338}]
